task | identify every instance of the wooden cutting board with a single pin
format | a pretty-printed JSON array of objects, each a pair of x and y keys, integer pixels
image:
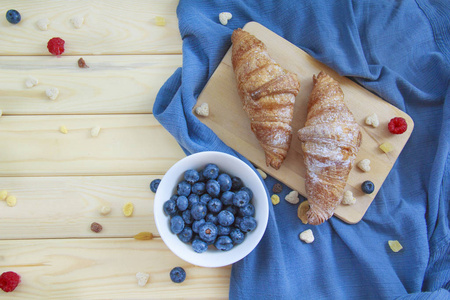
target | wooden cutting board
[{"x": 228, "y": 120}]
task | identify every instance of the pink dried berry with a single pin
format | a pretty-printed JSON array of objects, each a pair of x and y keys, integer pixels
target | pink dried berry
[
  {"x": 397, "y": 125},
  {"x": 56, "y": 46},
  {"x": 9, "y": 281}
]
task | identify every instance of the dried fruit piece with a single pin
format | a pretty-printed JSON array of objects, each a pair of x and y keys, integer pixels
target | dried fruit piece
[
  {"x": 277, "y": 188},
  {"x": 95, "y": 227},
  {"x": 11, "y": 201},
  {"x": 202, "y": 110},
  {"x": 56, "y": 46},
  {"x": 386, "y": 147},
  {"x": 144, "y": 236},
  {"x": 292, "y": 197},
  {"x": 397, "y": 125},
  {"x": 301, "y": 211},
  {"x": 82, "y": 63},
  {"x": 142, "y": 278},
  {"x": 262, "y": 173},
  {"x": 160, "y": 21},
  {"x": 372, "y": 120},
  {"x": 9, "y": 281},
  {"x": 77, "y": 21},
  {"x": 307, "y": 236},
  {"x": 3, "y": 194},
  {"x": 63, "y": 129},
  {"x": 52, "y": 93},
  {"x": 104, "y": 210},
  {"x": 395, "y": 245},
  {"x": 128, "y": 209},
  {"x": 275, "y": 199},
  {"x": 42, "y": 24},
  {"x": 31, "y": 81},
  {"x": 95, "y": 131}
]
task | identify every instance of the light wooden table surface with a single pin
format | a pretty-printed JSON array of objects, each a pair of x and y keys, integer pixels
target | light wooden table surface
[{"x": 61, "y": 180}]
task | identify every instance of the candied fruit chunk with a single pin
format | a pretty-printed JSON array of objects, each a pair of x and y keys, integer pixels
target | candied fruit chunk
[
  {"x": 275, "y": 199},
  {"x": 386, "y": 147},
  {"x": 160, "y": 21},
  {"x": 301, "y": 212},
  {"x": 395, "y": 245}
]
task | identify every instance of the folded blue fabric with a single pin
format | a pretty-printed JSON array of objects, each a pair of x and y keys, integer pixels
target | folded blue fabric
[{"x": 400, "y": 50}]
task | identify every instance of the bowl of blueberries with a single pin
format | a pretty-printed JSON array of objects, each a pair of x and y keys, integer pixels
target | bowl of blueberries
[{"x": 211, "y": 209}]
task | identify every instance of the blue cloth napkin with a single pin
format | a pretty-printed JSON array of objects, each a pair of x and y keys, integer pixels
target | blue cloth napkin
[{"x": 399, "y": 50}]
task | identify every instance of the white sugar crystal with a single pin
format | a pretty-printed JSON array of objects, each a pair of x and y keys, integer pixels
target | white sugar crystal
[
  {"x": 224, "y": 17},
  {"x": 292, "y": 197},
  {"x": 202, "y": 110},
  {"x": 77, "y": 21},
  {"x": 307, "y": 236},
  {"x": 52, "y": 93},
  {"x": 42, "y": 24},
  {"x": 104, "y": 210},
  {"x": 31, "y": 81},
  {"x": 142, "y": 278},
  {"x": 95, "y": 131}
]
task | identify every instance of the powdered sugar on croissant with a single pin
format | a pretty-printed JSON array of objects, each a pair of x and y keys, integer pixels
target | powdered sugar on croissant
[
  {"x": 330, "y": 141},
  {"x": 268, "y": 94}
]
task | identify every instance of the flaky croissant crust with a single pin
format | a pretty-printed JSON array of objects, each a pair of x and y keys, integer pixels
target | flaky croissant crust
[
  {"x": 330, "y": 142},
  {"x": 268, "y": 94}
]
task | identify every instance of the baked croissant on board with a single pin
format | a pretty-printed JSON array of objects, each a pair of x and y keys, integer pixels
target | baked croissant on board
[
  {"x": 268, "y": 94},
  {"x": 330, "y": 142}
]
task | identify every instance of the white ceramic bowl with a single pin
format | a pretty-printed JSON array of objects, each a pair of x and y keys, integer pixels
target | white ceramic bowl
[{"x": 234, "y": 167}]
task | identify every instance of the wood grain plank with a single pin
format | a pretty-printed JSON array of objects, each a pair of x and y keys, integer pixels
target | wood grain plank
[
  {"x": 64, "y": 207},
  {"x": 105, "y": 269},
  {"x": 126, "y": 145},
  {"x": 110, "y": 27},
  {"x": 111, "y": 84}
]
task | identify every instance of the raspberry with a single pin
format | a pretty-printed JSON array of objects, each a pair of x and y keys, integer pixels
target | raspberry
[
  {"x": 397, "y": 125},
  {"x": 56, "y": 46},
  {"x": 9, "y": 281}
]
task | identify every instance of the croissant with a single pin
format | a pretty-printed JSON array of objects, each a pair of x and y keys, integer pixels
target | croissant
[
  {"x": 330, "y": 142},
  {"x": 268, "y": 94}
]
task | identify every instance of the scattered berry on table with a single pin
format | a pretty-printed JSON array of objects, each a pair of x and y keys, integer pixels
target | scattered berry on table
[
  {"x": 178, "y": 274},
  {"x": 145, "y": 235},
  {"x": 224, "y": 243},
  {"x": 160, "y": 21},
  {"x": 301, "y": 211},
  {"x": 202, "y": 110},
  {"x": 142, "y": 278},
  {"x": 11, "y": 201},
  {"x": 82, "y": 64},
  {"x": 247, "y": 224},
  {"x": 277, "y": 188},
  {"x": 397, "y": 125},
  {"x": 176, "y": 224},
  {"x": 224, "y": 17},
  {"x": 128, "y": 209},
  {"x": 31, "y": 81},
  {"x": 386, "y": 147},
  {"x": 154, "y": 185},
  {"x": 372, "y": 120},
  {"x": 96, "y": 227},
  {"x": 367, "y": 187},
  {"x": 42, "y": 24},
  {"x": 395, "y": 245},
  {"x": 307, "y": 236},
  {"x": 225, "y": 218},
  {"x": 364, "y": 165},
  {"x": 191, "y": 176},
  {"x": 348, "y": 198},
  {"x": 292, "y": 197},
  {"x": 9, "y": 281},
  {"x": 52, "y": 93},
  {"x": 95, "y": 131},
  {"x": 211, "y": 171},
  {"x": 13, "y": 16},
  {"x": 56, "y": 46},
  {"x": 275, "y": 199}
]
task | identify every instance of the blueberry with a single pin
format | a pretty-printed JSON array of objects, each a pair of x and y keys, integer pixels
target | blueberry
[
  {"x": 208, "y": 232},
  {"x": 247, "y": 224},
  {"x": 170, "y": 207},
  {"x": 367, "y": 187},
  {"x": 196, "y": 225},
  {"x": 174, "y": 198},
  {"x": 198, "y": 211},
  {"x": 182, "y": 203},
  {"x": 187, "y": 217},
  {"x": 13, "y": 16},
  {"x": 226, "y": 218},
  {"x": 224, "y": 243},
  {"x": 241, "y": 198},
  {"x": 199, "y": 188},
  {"x": 192, "y": 199},
  {"x": 211, "y": 171},
  {"x": 224, "y": 181},
  {"x": 227, "y": 198},
  {"x": 236, "y": 184},
  {"x": 199, "y": 246},
  {"x": 233, "y": 209},
  {"x": 154, "y": 185},
  {"x": 223, "y": 230},
  {"x": 176, "y": 224},
  {"x": 237, "y": 236},
  {"x": 213, "y": 188},
  {"x": 214, "y": 206},
  {"x": 205, "y": 198},
  {"x": 185, "y": 235},
  {"x": 249, "y": 192},
  {"x": 178, "y": 275},
  {"x": 183, "y": 188},
  {"x": 212, "y": 218},
  {"x": 191, "y": 176},
  {"x": 237, "y": 221},
  {"x": 247, "y": 210}
]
